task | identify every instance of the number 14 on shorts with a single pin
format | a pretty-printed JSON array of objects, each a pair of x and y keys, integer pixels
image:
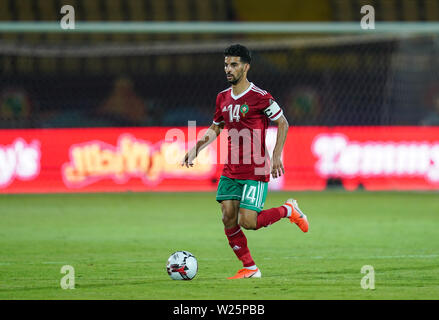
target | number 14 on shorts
[{"x": 253, "y": 195}]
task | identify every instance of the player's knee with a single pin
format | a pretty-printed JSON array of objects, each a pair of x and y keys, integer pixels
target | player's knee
[
  {"x": 229, "y": 217},
  {"x": 228, "y": 221},
  {"x": 247, "y": 222},
  {"x": 247, "y": 219}
]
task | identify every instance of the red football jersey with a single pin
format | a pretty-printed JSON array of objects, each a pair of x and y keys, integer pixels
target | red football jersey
[{"x": 246, "y": 117}]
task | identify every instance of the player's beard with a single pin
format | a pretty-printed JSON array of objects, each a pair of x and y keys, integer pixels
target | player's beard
[{"x": 235, "y": 80}]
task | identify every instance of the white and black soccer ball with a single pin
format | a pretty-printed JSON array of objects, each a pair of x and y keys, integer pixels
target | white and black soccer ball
[{"x": 182, "y": 265}]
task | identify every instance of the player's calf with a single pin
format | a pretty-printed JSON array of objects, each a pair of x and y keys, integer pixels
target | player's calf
[{"x": 270, "y": 216}]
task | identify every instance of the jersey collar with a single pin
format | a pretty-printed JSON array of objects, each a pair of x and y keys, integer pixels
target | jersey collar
[{"x": 242, "y": 93}]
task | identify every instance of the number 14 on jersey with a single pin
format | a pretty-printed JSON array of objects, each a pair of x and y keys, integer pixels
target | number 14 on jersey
[{"x": 233, "y": 112}]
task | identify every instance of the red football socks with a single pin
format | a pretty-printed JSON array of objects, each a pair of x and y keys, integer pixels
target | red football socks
[
  {"x": 238, "y": 242},
  {"x": 270, "y": 216}
]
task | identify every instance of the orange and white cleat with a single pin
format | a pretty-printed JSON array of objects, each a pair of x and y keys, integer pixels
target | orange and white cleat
[
  {"x": 297, "y": 216},
  {"x": 246, "y": 273}
]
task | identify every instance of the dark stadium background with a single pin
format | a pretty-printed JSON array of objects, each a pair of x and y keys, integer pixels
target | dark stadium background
[{"x": 352, "y": 84}]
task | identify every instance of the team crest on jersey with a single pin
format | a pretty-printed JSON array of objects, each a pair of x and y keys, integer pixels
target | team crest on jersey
[{"x": 244, "y": 109}]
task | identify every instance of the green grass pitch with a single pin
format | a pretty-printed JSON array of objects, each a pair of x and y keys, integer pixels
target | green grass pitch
[{"x": 118, "y": 245}]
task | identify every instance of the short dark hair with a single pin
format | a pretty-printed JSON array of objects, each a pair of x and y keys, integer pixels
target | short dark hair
[{"x": 238, "y": 50}]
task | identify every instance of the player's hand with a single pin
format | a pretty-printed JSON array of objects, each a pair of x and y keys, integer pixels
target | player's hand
[
  {"x": 187, "y": 161},
  {"x": 277, "y": 168}
]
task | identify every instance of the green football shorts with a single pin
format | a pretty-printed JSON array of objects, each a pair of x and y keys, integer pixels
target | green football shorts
[{"x": 250, "y": 193}]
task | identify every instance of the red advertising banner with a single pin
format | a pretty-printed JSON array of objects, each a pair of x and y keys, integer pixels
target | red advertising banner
[{"x": 147, "y": 159}]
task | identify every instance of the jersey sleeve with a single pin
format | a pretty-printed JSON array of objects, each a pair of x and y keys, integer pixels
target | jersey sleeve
[
  {"x": 272, "y": 110},
  {"x": 218, "y": 116}
]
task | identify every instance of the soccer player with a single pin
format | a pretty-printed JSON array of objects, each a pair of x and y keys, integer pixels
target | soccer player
[{"x": 246, "y": 111}]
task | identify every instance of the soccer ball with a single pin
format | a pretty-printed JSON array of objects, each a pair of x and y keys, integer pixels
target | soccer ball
[{"x": 182, "y": 265}]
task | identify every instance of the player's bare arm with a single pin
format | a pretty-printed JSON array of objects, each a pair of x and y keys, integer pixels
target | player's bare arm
[
  {"x": 211, "y": 134},
  {"x": 277, "y": 168}
]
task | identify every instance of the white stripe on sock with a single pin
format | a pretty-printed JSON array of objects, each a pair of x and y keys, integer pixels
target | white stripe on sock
[
  {"x": 231, "y": 235},
  {"x": 253, "y": 267},
  {"x": 289, "y": 210}
]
